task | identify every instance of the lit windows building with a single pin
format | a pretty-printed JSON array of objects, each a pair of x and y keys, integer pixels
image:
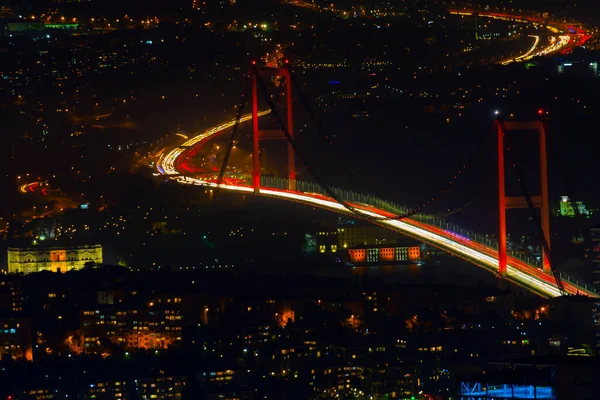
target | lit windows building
[
  {"x": 54, "y": 259},
  {"x": 365, "y": 236},
  {"x": 162, "y": 387},
  {"x": 112, "y": 390},
  {"x": 150, "y": 328},
  {"x": 11, "y": 297},
  {"x": 369, "y": 255},
  {"x": 341, "y": 238},
  {"x": 15, "y": 338}
]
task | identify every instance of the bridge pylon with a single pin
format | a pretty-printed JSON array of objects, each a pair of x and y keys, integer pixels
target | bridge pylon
[
  {"x": 505, "y": 202},
  {"x": 260, "y": 135}
]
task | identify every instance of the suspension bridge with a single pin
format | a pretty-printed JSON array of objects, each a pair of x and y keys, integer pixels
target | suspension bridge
[{"x": 479, "y": 249}]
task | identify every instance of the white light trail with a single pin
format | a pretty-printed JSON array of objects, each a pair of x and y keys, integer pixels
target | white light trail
[
  {"x": 532, "y": 281},
  {"x": 559, "y": 44},
  {"x": 527, "y": 55}
]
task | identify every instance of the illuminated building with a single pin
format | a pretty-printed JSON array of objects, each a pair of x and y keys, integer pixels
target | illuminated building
[
  {"x": 152, "y": 387},
  {"x": 134, "y": 329},
  {"x": 15, "y": 338},
  {"x": 337, "y": 381},
  {"x": 40, "y": 394},
  {"x": 391, "y": 382},
  {"x": 339, "y": 239},
  {"x": 26, "y": 28},
  {"x": 578, "y": 68},
  {"x": 109, "y": 390},
  {"x": 365, "y": 236},
  {"x": 375, "y": 303},
  {"x": 567, "y": 209},
  {"x": 226, "y": 384},
  {"x": 11, "y": 298},
  {"x": 256, "y": 336},
  {"x": 54, "y": 259},
  {"x": 370, "y": 255},
  {"x": 527, "y": 379},
  {"x": 162, "y": 387},
  {"x": 219, "y": 376}
]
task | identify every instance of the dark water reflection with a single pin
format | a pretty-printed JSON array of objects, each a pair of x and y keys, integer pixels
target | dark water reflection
[{"x": 448, "y": 271}]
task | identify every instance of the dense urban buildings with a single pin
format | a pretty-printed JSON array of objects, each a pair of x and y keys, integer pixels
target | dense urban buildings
[{"x": 298, "y": 199}]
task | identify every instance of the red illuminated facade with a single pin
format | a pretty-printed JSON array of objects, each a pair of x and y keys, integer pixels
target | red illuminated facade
[{"x": 384, "y": 254}]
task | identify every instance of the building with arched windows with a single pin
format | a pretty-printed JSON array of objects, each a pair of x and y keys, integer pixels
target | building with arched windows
[
  {"x": 381, "y": 254},
  {"x": 55, "y": 259}
]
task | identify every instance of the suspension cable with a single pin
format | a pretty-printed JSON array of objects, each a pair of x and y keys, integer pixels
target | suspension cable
[
  {"x": 297, "y": 151},
  {"x": 331, "y": 192},
  {"x": 533, "y": 214},
  {"x": 234, "y": 132},
  {"x": 569, "y": 189},
  {"x": 306, "y": 105},
  {"x": 459, "y": 172},
  {"x": 456, "y": 210}
]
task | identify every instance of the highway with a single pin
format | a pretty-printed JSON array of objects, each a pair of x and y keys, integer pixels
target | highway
[
  {"x": 558, "y": 43},
  {"x": 527, "y": 55},
  {"x": 518, "y": 272}
]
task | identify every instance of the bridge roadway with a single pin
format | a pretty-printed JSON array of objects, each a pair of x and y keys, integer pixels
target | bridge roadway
[{"x": 518, "y": 272}]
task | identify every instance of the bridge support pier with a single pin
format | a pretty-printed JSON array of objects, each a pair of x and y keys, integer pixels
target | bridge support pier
[
  {"x": 505, "y": 203},
  {"x": 259, "y": 135}
]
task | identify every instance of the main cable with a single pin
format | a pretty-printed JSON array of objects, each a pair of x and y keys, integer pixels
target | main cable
[
  {"x": 459, "y": 172},
  {"x": 570, "y": 191},
  {"x": 330, "y": 191},
  {"x": 297, "y": 151},
  {"x": 441, "y": 192},
  {"x": 533, "y": 214},
  {"x": 234, "y": 132},
  {"x": 306, "y": 105}
]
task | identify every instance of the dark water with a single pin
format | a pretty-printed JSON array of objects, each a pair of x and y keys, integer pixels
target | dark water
[{"x": 447, "y": 272}]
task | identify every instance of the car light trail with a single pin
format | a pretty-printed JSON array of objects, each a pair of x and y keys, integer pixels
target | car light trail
[
  {"x": 560, "y": 42},
  {"x": 527, "y": 55},
  {"x": 517, "y": 271}
]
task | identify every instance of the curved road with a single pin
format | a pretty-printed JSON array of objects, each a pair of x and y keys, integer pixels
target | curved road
[
  {"x": 561, "y": 41},
  {"x": 518, "y": 272}
]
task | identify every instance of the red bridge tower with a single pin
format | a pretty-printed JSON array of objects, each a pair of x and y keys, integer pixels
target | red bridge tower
[
  {"x": 259, "y": 134},
  {"x": 505, "y": 203}
]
